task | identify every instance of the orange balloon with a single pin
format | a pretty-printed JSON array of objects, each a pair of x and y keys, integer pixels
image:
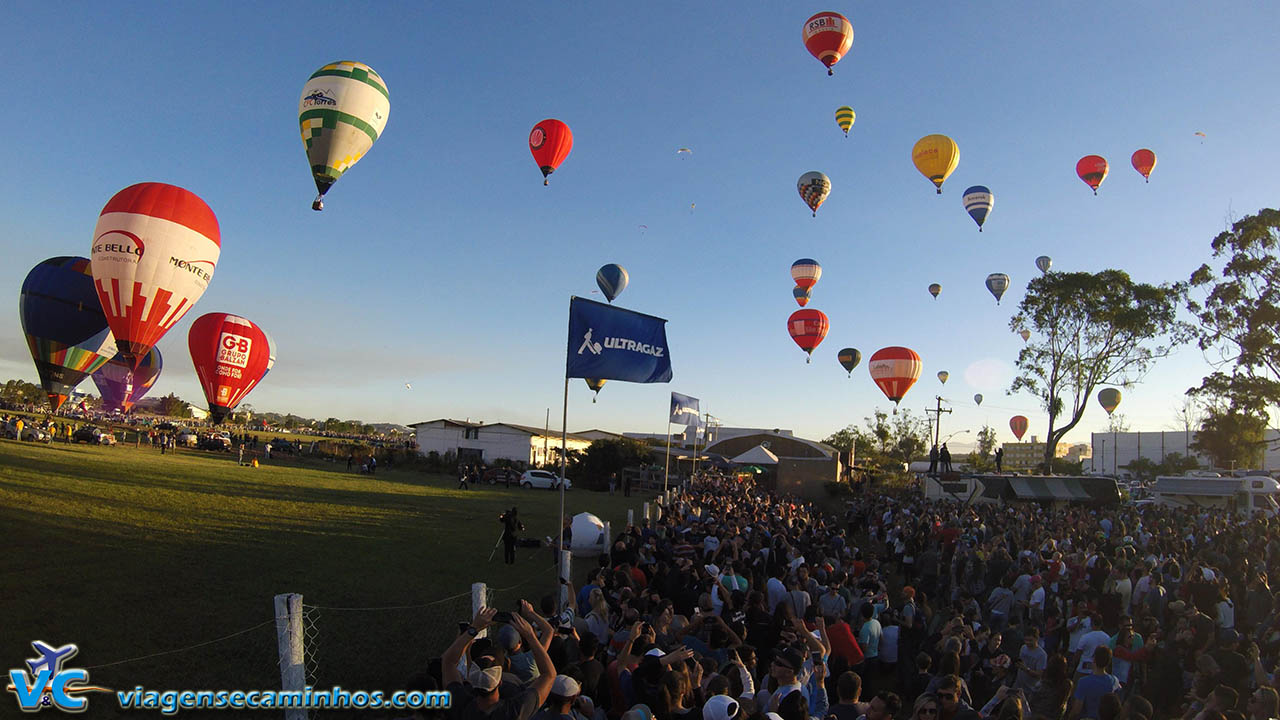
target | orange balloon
[
  {"x": 1092, "y": 169},
  {"x": 827, "y": 37},
  {"x": 1144, "y": 161}
]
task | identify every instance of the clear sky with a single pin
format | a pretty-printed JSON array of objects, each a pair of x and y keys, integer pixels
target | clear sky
[{"x": 442, "y": 261}]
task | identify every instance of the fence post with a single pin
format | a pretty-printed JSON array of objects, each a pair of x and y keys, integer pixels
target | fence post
[
  {"x": 608, "y": 542},
  {"x": 646, "y": 511},
  {"x": 566, "y": 576},
  {"x": 478, "y": 593},
  {"x": 289, "y": 639},
  {"x": 631, "y": 517}
]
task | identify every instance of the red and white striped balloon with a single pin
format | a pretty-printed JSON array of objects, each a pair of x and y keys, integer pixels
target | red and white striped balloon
[{"x": 895, "y": 370}]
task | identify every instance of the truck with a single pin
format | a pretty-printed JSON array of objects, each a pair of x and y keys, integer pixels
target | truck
[
  {"x": 1242, "y": 496},
  {"x": 1003, "y": 489}
]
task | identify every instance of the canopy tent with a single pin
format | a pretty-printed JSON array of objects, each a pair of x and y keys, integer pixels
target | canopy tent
[{"x": 758, "y": 455}]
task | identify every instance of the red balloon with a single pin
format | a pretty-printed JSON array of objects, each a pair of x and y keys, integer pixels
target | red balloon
[
  {"x": 808, "y": 328},
  {"x": 895, "y": 370},
  {"x": 550, "y": 142},
  {"x": 828, "y": 36},
  {"x": 1018, "y": 424},
  {"x": 1144, "y": 161},
  {"x": 1092, "y": 169},
  {"x": 231, "y": 355}
]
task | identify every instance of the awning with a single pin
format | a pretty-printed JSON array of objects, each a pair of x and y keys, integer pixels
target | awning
[
  {"x": 1049, "y": 488},
  {"x": 758, "y": 455},
  {"x": 1207, "y": 487}
]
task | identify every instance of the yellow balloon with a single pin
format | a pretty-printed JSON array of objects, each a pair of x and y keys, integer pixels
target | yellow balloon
[{"x": 936, "y": 157}]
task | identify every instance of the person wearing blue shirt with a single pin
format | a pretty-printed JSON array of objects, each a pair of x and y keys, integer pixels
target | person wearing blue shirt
[{"x": 1091, "y": 687}]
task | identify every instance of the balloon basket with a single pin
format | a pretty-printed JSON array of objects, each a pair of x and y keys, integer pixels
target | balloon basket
[{"x": 318, "y": 203}]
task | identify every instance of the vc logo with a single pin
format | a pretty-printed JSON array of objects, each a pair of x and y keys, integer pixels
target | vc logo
[{"x": 48, "y": 684}]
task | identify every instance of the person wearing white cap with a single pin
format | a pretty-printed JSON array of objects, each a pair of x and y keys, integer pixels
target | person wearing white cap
[
  {"x": 565, "y": 693},
  {"x": 720, "y": 707},
  {"x": 478, "y": 698}
]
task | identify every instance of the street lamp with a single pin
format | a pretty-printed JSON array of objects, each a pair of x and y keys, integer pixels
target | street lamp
[{"x": 958, "y": 432}]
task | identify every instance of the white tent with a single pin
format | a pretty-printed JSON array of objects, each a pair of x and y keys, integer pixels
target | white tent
[
  {"x": 588, "y": 535},
  {"x": 758, "y": 455}
]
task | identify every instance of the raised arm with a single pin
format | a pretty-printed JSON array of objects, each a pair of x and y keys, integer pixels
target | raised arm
[
  {"x": 546, "y": 669},
  {"x": 545, "y": 631},
  {"x": 449, "y": 661}
]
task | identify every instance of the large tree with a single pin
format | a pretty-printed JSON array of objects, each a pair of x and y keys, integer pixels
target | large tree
[
  {"x": 1089, "y": 330},
  {"x": 887, "y": 439}
]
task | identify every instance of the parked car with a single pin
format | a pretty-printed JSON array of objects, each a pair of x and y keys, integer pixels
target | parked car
[
  {"x": 493, "y": 476},
  {"x": 215, "y": 441},
  {"x": 187, "y": 438},
  {"x": 93, "y": 435},
  {"x": 31, "y": 433},
  {"x": 543, "y": 480}
]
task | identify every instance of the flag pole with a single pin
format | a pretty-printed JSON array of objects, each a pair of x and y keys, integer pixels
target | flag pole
[
  {"x": 564, "y": 461},
  {"x": 667, "y": 470}
]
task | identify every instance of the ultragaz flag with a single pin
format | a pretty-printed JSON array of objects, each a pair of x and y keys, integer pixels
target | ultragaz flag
[{"x": 609, "y": 343}]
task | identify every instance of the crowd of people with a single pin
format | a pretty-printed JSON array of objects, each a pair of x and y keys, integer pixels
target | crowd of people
[{"x": 736, "y": 604}]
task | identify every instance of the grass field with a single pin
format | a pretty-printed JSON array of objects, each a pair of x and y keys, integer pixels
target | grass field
[{"x": 128, "y": 553}]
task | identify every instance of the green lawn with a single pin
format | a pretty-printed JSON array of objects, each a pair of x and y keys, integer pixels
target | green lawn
[{"x": 127, "y": 553}]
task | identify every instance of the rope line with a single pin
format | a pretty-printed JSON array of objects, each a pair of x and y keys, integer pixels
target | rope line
[{"x": 191, "y": 647}]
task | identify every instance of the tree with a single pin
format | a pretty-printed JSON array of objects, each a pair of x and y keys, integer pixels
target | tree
[
  {"x": 1117, "y": 423},
  {"x": 1231, "y": 437},
  {"x": 886, "y": 440},
  {"x": 987, "y": 441},
  {"x": 605, "y": 457},
  {"x": 1091, "y": 329},
  {"x": 173, "y": 406},
  {"x": 21, "y": 391}
]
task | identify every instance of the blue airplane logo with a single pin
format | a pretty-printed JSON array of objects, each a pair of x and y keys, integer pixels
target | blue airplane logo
[{"x": 50, "y": 657}]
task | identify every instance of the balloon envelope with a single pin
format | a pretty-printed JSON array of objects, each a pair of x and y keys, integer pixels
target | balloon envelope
[
  {"x": 588, "y": 535},
  {"x": 1092, "y": 169},
  {"x": 935, "y": 289},
  {"x": 895, "y": 370},
  {"x": 845, "y": 117},
  {"x": 1109, "y": 398},
  {"x": 801, "y": 295},
  {"x": 978, "y": 202},
  {"x": 122, "y": 386},
  {"x": 612, "y": 279},
  {"x": 978, "y": 398},
  {"x": 942, "y": 376},
  {"x": 342, "y": 112},
  {"x": 936, "y": 157},
  {"x": 550, "y": 142},
  {"x": 62, "y": 320},
  {"x": 155, "y": 248},
  {"x": 1018, "y": 424},
  {"x": 808, "y": 327},
  {"x": 1043, "y": 263},
  {"x": 806, "y": 272},
  {"x": 1144, "y": 161},
  {"x": 997, "y": 283},
  {"x": 849, "y": 359},
  {"x": 595, "y": 384},
  {"x": 814, "y": 188},
  {"x": 827, "y": 37},
  {"x": 231, "y": 355},
  {"x": 1026, "y": 335}
]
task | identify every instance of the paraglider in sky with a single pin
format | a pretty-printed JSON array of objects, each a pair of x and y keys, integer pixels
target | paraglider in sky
[
  {"x": 122, "y": 386},
  {"x": 231, "y": 355},
  {"x": 1109, "y": 399},
  {"x": 895, "y": 370},
  {"x": 642, "y": 228},
  {"x": 595, "y": 384},
  {"x": 814, "y": 188},
  {"x": 1201, "y": 136},
  {"x": 1026, "y": 335},
  {"x": 65, "y": 328},
  {"x": 408, "y": 386},
  {"x": 343, "y": 111},
  {"x": 1092, "y": 169},
  {"x": 827, "y": 37},
  {"x": 1144, "y": 161},
  {"x": 978, "y": 202},
  {"x": 808, "y": 328},
  {"x": 550, "y": 142},
  {"x": 681, "y": 151},
  {"x": 997, "y": 283},
  {"x": 845, "y": 117},
  {"x": 849, "y": 359},
  {"x": 155, "y": 248},
  {"x": 935, "y": 289},
  {"x": 801, "y": 294},
  {"x": 978, "y": 398},
  {"x": 612, "y": 279},
  {"x": 1043, "y": 263},
  {"x": 1018, "y": 424},
  {"x": 936, "y": 156},
  {"x": 806, "y": 272},
  {"x": 942, "y": 376}
]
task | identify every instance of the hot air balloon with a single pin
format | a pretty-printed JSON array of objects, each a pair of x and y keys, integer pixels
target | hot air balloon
[
  {"x": 942, "y": 376},
  {"x": 895, "y": 370},
  {"x": 934, "y": 290},
  {"x": 550, "y": 142},
  {"x": 231, "y": 355},
  {"x": 1026, "y": 335},
  {"x": 1109, "y": 399},
  {"x": 806, "y": 272},
  {"x": 1144, "y": 161},
  {"x": 343, "y": 111},
  {"x": 62, "y": 319},
  {"x": 814, "y": 188},
  {"x": 845, "y": 117},
  {"x": 1092, "y": 169},
  {"x": 595, "y": 384},
  {"x": 936, "y": 156},
  {"x": 808, "y": 327},
  {"x": 155, "y": 248},
  {"x": 978, "y": 398},
  {"x": 997, "y": 283},
  {"x": 122, "y": 386},
  {"x": 978, "y": 202},
  {"x": 1043, "y": 263},
  {"x": 827, "y": 37},
  {"x": 801, "y": 295},
  {"x": 612, "y": 280},
  {"x": 1018, "y": 424},
  {"x": 849, "y": 359}
]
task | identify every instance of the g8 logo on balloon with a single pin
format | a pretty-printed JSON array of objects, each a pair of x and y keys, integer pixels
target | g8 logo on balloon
[
  {"x": 234, "y": 349},
  {"x": 537, "y": 137}
]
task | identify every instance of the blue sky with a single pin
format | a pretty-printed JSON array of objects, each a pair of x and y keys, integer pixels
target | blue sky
[{"x": 442, "y": 261}]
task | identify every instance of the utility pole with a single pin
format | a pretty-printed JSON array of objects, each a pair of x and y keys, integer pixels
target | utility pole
[{"x": 937, "y": 424}]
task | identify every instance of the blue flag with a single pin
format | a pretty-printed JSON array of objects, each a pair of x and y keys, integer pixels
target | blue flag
[
  {"x": 610, "y": 343},
  {"x": 684, "y": 409}
]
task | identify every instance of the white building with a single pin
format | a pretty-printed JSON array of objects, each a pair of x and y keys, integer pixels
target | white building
[
  {"x": 486, "y": 442},
  {"x": 1112, "y": 451}
]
